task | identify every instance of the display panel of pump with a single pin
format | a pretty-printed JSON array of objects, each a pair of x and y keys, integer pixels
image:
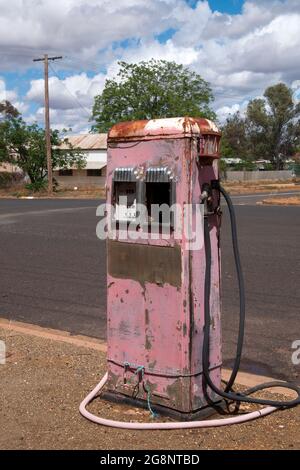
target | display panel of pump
[
  {"x": 125, "y": 194},
  {"x": 125, "y": 206},
  {"x": 151, "y": 187}
]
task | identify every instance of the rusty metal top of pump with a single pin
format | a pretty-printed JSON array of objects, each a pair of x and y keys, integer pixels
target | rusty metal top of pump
[{"x": 162, "y": 128}]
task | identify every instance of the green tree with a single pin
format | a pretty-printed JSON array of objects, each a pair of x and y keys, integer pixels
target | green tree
[
  {"x": 7, "y": 110},
  {"x": 273, "y": 125},
  {"x": 149, "y": 90},
  {"x": 270, "y": 129},
  {"x": 25, "y": 146},
  {"x": 234, "y": 143}
]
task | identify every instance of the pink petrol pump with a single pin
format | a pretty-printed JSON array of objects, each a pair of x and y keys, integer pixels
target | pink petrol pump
[
  {"x": 163, "y": 275},
  {"x": 155, "y": 285}
]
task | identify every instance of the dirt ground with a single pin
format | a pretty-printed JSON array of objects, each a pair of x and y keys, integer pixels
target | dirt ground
[
  {"x": 283, "y": 201},
  {"x": 234, "y": 188},
  {"x": 21, "y": 192},
  {"x": 43, "y": 382},
  {"x": 252, "y": 187}
]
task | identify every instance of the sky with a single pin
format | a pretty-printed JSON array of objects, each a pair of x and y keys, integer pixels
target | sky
[{"x": 239, "y": 46}]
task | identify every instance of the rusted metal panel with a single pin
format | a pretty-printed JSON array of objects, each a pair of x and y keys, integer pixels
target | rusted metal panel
[
  {"x": 143, "y": 263},
  {"x": 158, "y": 128},
  {"x": 204, "y": 130}
]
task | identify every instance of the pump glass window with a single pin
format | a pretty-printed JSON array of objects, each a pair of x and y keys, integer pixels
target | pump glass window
[
  {"x": 157, "y": 195},
  {"x": 144, "y": 196},
  {"x": 125, "y": 201},
  {"x": 160, "y": 196}
]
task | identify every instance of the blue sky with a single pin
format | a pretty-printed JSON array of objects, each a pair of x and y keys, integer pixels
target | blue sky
[
  {"x": 21, "y": 80},
  {"x": 224, "y": 6},
  {"x": 236, "y": 45}
]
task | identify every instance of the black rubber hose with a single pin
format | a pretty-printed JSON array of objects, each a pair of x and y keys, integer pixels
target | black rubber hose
[
  {"x": 228, "y": 393},
  {"x": 241, "y": 285}
]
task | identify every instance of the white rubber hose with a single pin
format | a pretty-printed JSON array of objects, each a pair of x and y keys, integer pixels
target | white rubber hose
[{"x": 172, "y": 425}]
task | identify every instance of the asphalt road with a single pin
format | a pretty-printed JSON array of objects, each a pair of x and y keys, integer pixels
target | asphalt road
[{"x": 52, "y": 273}]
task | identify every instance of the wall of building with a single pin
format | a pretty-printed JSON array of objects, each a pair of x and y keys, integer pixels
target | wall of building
[
  {"x": 80, "y": 179},
  {"x": 258, "y": 175},
  {"x": 9, "y": 168},
  {"x": 95, "y": 158}
]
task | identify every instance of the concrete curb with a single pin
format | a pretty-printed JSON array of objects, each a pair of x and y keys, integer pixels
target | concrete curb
[
  {"x": 54, "y": 335},
  {"x": 244, "y": 378}
]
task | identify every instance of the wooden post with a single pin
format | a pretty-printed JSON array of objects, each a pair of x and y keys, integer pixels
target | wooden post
[
  {"x": 46, "y": 59},
  {"x": 47, "y": 127}
]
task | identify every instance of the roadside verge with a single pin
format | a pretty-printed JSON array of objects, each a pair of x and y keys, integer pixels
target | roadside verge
[{"x": 245, "y": 379}]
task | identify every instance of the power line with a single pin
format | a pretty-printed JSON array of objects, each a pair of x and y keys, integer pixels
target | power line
[
  {"x": 70, "y": 93},
  {"x": 88, "y": 64}
]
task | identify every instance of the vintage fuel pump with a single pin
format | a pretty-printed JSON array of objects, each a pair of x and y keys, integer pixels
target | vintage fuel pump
[
  {"x": 155, "y": 285},
  {"x": 163, "y": 286}
]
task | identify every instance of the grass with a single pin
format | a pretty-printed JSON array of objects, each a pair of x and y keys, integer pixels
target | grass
[
  {"x": 22, "y": 192},
  {"x": 235, "y": 187},
  {"x": 283, "y": 201}
]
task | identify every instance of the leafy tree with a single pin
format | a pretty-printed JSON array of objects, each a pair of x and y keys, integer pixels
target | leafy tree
[
  {"x": 24, "y": 145},
  {"x": 149, "y": 90},
  {"x": 234, "y": 143},
  {"x": 244, "y": 165},
  {"x": 7, "y": 110},
  {"x": 270, "y": 129},
  {"x": 258, "y": 129},
  {"x": 273, "y": 125}
]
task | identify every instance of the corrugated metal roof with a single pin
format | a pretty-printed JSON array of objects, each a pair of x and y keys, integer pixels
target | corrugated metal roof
[
  {"x": 87, "y": 141},
  {"x": 94, "y": 165}
]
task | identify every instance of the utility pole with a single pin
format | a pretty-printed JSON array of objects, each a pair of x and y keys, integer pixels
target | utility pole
[{"x": 46, "y": 59}]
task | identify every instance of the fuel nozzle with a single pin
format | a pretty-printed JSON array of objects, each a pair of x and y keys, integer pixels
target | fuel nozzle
[
  {"x": 206, "y": 198},
  {"x": 206, "y": 192},
  {"x": 211, "y": 204}
]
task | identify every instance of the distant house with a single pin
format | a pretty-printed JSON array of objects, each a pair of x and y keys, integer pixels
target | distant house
[
  {"x": 232, "y": 161},
  {"x": 94, "y": 149},
  {"x": 262, "y": 164},
  {"x": 9, "y": 168}
]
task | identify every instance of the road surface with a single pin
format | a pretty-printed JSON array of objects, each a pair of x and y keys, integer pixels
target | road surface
[{"x": 52, "y": 271}]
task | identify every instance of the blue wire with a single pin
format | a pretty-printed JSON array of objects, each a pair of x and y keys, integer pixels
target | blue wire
[{"x": 147, "y": 388}]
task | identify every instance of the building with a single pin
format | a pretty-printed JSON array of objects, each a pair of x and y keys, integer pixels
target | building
[
  {"x": 94, "y": 148},
  {"x": 232, "y": 161},
  {"x": 9, "y": 168}
]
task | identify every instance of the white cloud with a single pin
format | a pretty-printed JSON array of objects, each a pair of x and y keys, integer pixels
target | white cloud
[
  {"x": 168, "y": 51},
  {"x": 296, "y": 91},
  {"x": 21, "y": 106},
  {"x": 71, "y": 100},
  {"x": 80, "y": 27},
  {"x": 12, "y": 97},
  {"x": 62, "y": 119},
  {"x": 240, "y": 55},
  {"x": 5, "y": 94},
  {"x": 73, "y": 92},
  {"x": 225, "y": 111}
]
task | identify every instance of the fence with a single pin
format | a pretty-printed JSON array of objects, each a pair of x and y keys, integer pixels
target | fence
[{"x": 258, "y": 175}]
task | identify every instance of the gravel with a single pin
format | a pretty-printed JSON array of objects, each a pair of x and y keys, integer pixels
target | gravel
[{"x": 43, "y": 382}]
